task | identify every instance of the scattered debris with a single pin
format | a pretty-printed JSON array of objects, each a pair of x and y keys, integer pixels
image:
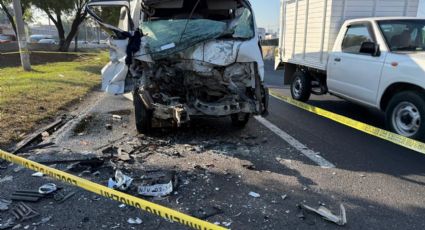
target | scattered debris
[
  {"x": 8, "y": 224},
  {"x": 47, "y": 188},
  {"x": 37, "y": 174},
  {"x": 284, "y": 196},
  {"x": 116, "y": 117},
  {"x": 45, "y": 134},
  {"x": 122, "y": 206},
  {"x": 253, "y": 194},
  {"x": 62, "y": 196},
  {"x": 4, "y": 204},
  {"x": 157, "y": 184},
  {"x": 326, "y": 214},
  {"x": 226, "y": 224},
  {"x": 122, "y": 155},
  {"x": 206, "y": 213},
  {"x": 43, "y": 221},
  {"x": 38, "y": 134},
  {"x": 121, "y": 181},
  {"x": 108, "y": 126},
  {"x": 6, "y": 178},
  {"x": 249, "y": 166},
  {"x": 27, "y": 195},
  {"x": 135, "y": 221},
  {"x": 59, "y": 158},
  {"x": 23, "y": 212}
]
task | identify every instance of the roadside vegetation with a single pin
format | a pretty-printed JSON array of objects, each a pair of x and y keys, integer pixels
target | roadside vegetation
[{"x": 27, "y": 99}]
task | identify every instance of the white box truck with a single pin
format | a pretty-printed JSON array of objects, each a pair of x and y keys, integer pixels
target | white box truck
[{"x": 371, "y": 52}]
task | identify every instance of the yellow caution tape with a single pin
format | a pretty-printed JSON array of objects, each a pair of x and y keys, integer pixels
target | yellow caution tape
[
  {"x": 164, "y": 212},
  {"x": 377, "y": 132}
]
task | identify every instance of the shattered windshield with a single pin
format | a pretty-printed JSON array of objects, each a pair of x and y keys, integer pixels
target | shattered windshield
[
  {"x": 404, "y": 35},
  {"x": 168, "y": 31}
]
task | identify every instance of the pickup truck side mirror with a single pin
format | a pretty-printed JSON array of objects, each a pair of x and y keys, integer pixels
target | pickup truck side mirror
[{"x": 370, "y": 48}]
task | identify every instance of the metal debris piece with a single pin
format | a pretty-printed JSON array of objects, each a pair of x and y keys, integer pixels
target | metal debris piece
[
  {"x": 6, "y": 178},
  {"x": 43, "y": 221},
  {"x": 62, "y": 196},
  {"x": 122, "y": 155},
  {"x": 47, "y": 188},
  {"x": 108, "y": 126},
  {"x": 326, "y": 214},
  {"x": 135, "y": 221},
  {"x": 23, "y": 212},
  {"x": 157, "y": 184},
  {"x": 8, "y": 224},
  {"x": 116, "y": 117},
  {"x": 205, "y": 213},
  {"x": 254, "y": 194},
  {"x": 27, "y": 195},
  {"x": 284, "y": 196},
  {"x": 38, "y": 134},
  {"x": 120, "y": 181},
  {"x": 4, "y": 204},
  {"x": 37, "y": 174}
]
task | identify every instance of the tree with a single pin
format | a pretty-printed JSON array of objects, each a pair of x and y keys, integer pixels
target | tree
[
  {"x": 57, "y": 11},
  {"x": 5, "y": 6}
]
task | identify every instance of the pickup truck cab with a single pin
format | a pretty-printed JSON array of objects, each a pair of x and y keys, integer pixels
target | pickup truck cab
[{"x": 376, "y": 62}]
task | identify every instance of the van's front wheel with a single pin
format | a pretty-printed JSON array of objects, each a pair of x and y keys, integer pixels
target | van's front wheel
[
  {"x": 301, "y": 87},
  {"x": 143, "y": 116},
  {"x": 406, "y": 114}
]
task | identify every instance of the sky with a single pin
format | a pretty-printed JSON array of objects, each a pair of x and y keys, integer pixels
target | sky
[{"x": 267, "y": 13}]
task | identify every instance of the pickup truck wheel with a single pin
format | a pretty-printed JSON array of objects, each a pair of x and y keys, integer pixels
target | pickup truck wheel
[
  {"x": 143, "y": 116},
  {"x": 240, "y": 119},
  {"x": 405, "y": 114},
  {"x": 301, "y": 87}
]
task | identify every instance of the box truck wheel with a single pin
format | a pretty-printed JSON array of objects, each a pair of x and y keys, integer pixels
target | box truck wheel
[
  {"x": 405, "y": 114},
  {"x": 143, "y": 116},
  {"x": 301, "y": 86}
]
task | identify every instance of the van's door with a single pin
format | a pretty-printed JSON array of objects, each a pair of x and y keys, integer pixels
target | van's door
[{"x": 118, "y": 18}]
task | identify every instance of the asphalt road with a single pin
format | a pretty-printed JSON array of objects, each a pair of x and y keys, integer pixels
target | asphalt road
[
  {"x": 393, "y": 188},
  {"x": 381, "y": 185}
]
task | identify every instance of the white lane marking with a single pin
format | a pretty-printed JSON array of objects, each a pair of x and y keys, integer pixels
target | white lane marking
[{"x": 314, "y": 156}]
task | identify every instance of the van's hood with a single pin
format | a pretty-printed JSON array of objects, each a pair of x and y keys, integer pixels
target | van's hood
[{"x": 220, "y": 52}]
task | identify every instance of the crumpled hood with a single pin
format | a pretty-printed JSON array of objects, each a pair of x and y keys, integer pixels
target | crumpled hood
[{"x": 220, "y": 52}]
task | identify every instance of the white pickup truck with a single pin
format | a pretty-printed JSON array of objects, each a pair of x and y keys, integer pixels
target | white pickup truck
[{"x": 375, "y": 61}]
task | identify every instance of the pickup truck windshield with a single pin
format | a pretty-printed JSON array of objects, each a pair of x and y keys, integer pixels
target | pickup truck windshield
[{"x": 404, "y": 35}]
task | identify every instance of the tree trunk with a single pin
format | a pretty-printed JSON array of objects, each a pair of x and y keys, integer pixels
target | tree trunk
[
  {"x": 74, "y": 29},
  {"x": 9, "y": 16}
]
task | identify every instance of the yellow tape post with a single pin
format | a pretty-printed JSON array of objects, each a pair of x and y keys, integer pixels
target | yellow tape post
[
  {"x": 147, "y": 206},
  {"x": 363, "y": 127}
]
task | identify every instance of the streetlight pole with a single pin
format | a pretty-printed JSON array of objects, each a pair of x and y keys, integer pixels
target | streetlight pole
[{"x": 22, "y": 40}]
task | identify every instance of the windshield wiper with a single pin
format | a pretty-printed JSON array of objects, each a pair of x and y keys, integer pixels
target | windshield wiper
[{"x": 190, "y": 17}]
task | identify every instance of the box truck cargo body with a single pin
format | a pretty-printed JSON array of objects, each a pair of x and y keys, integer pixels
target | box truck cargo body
[{"x": 308, "y": 28}]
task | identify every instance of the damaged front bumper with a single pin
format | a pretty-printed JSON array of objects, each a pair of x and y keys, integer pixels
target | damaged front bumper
[{"x": 174, "y": 91}]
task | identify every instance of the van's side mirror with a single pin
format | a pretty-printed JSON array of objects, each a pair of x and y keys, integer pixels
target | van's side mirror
[{"x": 370, "y": 48}]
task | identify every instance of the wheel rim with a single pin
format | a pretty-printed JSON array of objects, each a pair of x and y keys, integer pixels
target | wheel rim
[
  {"x": 297, "y": 87},
  {"x": 406, "y": 119}
]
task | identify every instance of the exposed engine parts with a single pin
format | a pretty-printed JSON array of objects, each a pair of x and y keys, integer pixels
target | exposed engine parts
[{"x": 176, "y": 90}]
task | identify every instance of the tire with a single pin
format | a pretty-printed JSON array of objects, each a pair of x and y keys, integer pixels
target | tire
[
  {"x": 142, "y": 115},
  {"x": 301, "y": 87},
  {"x": 240, "y": 120},
  {"x": 405, "y": 114}
]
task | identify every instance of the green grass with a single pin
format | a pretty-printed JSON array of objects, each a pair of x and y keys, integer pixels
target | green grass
[{"x": 29, "y": 98}]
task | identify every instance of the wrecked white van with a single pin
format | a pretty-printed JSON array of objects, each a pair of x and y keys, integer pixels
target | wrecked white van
[{"x": 183, "y": 58}]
